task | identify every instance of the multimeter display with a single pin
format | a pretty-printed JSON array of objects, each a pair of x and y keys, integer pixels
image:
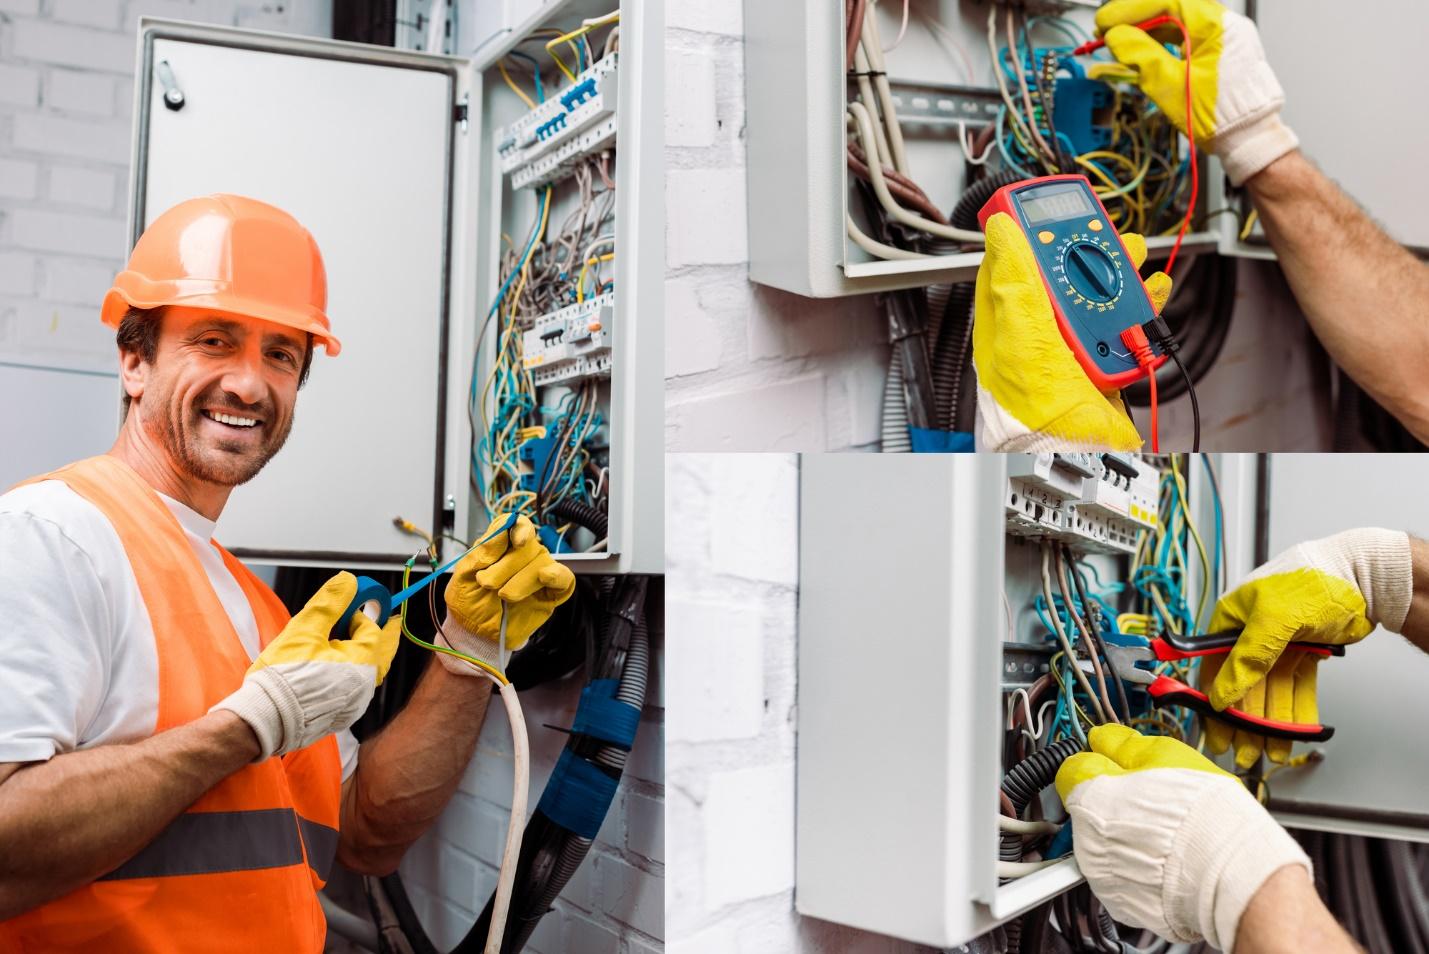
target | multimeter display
[
  {"x": 1089, "y": 278},
  {"x": 1052, "y": 202}
]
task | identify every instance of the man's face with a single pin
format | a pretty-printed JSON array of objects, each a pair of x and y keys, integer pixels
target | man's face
[{"x": 219, "y": 396}]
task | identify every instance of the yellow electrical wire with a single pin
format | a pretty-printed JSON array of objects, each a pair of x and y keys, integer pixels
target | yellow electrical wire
[
  {"x": 501, "y": 66},
  {"x": 1206, "y": 582},
  {"x": 491, "y": 670},
  {"x": 1062, "y": 687},
  {"x": 580, "y": 282},
  {"x": 571, "y": 36},
  {"x": 1249, "y": 224}
]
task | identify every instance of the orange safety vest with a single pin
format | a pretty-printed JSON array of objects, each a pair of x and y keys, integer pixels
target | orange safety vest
[{"x": 240, "y": 869}]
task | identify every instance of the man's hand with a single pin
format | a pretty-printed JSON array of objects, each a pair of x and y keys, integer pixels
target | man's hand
[
  {"x": 1032, "y": 393},
  {"x": 1166, "y": 839},
  {"x": 304, "y": 686},
  {"x": 1334, "y": 590},
  {"x": 515, "y": 569},
  {"x": 1235, "y": 98}
]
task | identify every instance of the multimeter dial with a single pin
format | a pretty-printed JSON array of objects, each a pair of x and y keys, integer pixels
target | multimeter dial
[{"x": 1089, "y": 271}]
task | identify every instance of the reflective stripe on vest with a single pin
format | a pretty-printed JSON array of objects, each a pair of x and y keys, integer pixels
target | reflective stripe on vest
[{"x": 263, "y": 839}]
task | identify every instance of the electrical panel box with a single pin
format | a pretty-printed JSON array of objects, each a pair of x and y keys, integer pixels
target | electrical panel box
[
  {"x": 909, "y": 659},
  {"x": 803, "y": 210},
  {"x": 397, "y": 162}
]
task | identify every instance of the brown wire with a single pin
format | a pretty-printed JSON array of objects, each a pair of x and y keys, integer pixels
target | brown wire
[
  {"x": 899, "y": 185},
  {"x": 853, "y": 29}
]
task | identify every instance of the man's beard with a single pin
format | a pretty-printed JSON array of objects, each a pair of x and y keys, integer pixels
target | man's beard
[{"x": 225, "y": 463}]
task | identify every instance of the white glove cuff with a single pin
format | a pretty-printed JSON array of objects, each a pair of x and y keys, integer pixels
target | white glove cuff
[
  {"x": 1226, "y": 848},
  {"x": 269, "y": 706},
  {"x": 998, "y": 431},
  {"x": 1381, "y": 564},
  {"x": 465, "y": 641},
  {"x": 1249, "y": 149}
]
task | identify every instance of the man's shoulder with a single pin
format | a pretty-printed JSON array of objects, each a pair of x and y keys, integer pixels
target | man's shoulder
[{"x": 54, "y": 503}]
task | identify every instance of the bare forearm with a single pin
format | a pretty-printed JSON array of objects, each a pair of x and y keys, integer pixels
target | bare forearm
[
  {"x": 1286, "y": 915},
  {"x": 67, "y": 821},
  {"x": 408, "y": 772},
  {"x": 1362, "y": 292}
]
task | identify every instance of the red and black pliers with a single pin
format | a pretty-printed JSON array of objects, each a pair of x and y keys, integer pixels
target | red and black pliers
[{"x": 1166, "y": 691}]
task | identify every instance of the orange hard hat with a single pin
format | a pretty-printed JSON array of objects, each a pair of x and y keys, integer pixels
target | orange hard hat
[{"x": 231, "y": 254}]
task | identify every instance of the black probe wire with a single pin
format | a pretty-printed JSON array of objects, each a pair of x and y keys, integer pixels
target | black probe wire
[{"x": 1195, "y": 405}]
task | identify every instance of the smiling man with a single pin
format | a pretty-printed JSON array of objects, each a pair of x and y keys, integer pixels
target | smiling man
[{"x": 176, "y": 770}]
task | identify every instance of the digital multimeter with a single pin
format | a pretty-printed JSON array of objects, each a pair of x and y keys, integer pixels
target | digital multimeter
[{"x": 1090, "y": 280}]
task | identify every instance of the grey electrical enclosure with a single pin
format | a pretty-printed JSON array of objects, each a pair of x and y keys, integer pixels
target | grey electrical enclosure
[
  {"x": 388, "y": 157},
  {"x": 335, "y": 134},
  {"x": 799, "y": 195},
  {"x": 903, "y": 650}
]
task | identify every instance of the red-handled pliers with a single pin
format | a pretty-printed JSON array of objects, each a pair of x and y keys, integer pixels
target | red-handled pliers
[{"x": 1166, "y": 691}]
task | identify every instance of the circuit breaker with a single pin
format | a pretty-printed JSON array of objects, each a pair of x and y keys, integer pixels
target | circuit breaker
[{"x": 462, "y": 361}]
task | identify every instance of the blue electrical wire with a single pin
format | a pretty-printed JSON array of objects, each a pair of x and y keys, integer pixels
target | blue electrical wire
[{"x": 536, "y": 68}]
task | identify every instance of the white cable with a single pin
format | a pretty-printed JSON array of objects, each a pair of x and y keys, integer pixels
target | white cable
[
  {"x": 516, "y": 825},
  {"x": 949, "y": 43},
  {"x": 1021, "y": 826},
  {"x": 1019, "y": 869},
  {"x": 865, "y": 95},
  {"x": 902, "y": 29},
  {"x": 874, "y": 247},
  {"x": 880, "y": 188},
  {"x": 874, "y": 49},
  {"x": 968, "y": 149}
]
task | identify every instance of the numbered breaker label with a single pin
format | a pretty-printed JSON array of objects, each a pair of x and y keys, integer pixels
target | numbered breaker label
[
  {"x": 1122, "y": 497},
  {"x": 570, "y": 344},
  {"x": 1081, "y": 500},
  {"x": 547, "y": 133}
]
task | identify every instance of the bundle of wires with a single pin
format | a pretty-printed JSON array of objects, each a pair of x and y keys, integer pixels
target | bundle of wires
[
  {"x": 1079, "y": 613},
  {"x": 536, "y": 448}
]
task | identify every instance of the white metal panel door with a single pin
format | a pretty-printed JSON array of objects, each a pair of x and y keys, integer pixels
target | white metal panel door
[
  {"x": 356, "y": 144},
  {"x": 1375, "y": 772}
]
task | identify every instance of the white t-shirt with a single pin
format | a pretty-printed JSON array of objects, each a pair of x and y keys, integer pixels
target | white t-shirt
[{"x": 78, "y": 665}]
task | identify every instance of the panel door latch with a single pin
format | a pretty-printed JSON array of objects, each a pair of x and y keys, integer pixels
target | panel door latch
[{"x": 173, "y": 96}]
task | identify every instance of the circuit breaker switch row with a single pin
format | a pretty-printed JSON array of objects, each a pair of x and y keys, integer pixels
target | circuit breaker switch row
[{"x": 570, "y": 344}]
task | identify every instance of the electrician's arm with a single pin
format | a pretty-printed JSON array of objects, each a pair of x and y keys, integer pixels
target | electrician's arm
[
  {"x": 1363, "y": 293},
  {"x": 68, "y": 820},
  {"x": 406, "y": 774},
  {"x": 1286, "y": 916}
]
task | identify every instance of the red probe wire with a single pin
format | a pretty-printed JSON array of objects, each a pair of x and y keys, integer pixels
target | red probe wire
[
  {"x": 1149, "y": 25},
  {"x": 1140, "y": 346}
]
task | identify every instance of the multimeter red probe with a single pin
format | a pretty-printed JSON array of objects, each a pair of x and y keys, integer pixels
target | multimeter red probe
[
  {"x": 1148, "y": 25},
  {"x": 1135, "y": 337}
]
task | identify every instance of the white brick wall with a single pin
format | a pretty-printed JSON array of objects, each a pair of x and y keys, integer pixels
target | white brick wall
[
  {"x": 747, "y": 367},
  {"x": 66, "y": 85},
  {"x": 754, "y": 369},
  {"x": 615, "y": 902},
  {"x": 733, "y": 572}
]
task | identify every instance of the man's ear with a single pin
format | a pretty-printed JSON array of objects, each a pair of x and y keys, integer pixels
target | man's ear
[{"x": 133, "y": 372}]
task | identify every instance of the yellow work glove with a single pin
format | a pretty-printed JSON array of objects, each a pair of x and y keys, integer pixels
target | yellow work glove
[
  {"x": 1334, "y": 590},
  {"x": 1032, "y": 394},
  {"x": 1235, "y": 98},
  {"x": 303, "y": 685},
  {"x": 513, "y": 568},
  {"x": 1168, "y": 841}
]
